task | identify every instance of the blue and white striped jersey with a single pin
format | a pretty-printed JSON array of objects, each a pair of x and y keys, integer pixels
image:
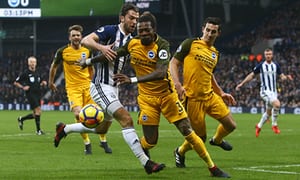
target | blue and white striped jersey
[
  {"x": 107, "y": 35},
  {"x": 268, "y": 75}
]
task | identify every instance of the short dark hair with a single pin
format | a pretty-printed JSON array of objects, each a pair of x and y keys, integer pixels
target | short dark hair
[
  {"x": 126, "y": 7},
  {"x": 148, "y": 17},
  {"x": 75, "y": 27},
  {"x": 213, "y": 20}
]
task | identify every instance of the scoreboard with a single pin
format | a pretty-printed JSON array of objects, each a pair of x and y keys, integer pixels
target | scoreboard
[{"x": 20, "y": 8}]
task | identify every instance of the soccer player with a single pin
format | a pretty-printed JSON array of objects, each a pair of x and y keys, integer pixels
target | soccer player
[
  {"x": 31, "y": 81},
  {"x": 77, "y": 80},
  {"x": 103, "y": 89},
  {"x": 268, "y": 71},
  {"x": 149, "y": 57},
  {"x": 200, "y": 92}
]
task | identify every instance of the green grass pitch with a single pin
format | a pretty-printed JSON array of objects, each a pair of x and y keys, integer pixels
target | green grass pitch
[{"x": 24, "y": 155}]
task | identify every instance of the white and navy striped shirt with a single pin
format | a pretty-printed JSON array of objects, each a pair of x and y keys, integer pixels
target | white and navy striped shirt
[
  {"x": 107, "y": 35},
  {"x": 268, "y": 75}
]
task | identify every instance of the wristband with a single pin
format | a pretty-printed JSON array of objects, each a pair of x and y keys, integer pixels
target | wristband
[
  {"x": 133, "y": 80},
  {"x": 88, "y": 61}
]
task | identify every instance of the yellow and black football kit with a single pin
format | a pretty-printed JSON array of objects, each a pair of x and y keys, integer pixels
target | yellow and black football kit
[
  {"x": 155, "y": 97},
  {"x": 200, "y": 61},
  {"x": 77, "y": 79}
]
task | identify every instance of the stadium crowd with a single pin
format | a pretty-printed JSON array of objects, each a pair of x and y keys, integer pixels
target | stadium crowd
[{"x": 231, "y": 69}]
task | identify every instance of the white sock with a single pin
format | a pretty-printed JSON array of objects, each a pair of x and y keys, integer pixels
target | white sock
[
  {"x": 78, "y": 127},
  {"x": 275, "y": 112},
  {"x": 133, "y": 142},
  {"x": 263, "y": 119}
]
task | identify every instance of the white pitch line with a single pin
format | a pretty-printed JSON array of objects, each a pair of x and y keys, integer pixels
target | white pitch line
[{"x": 261, "y": 169}]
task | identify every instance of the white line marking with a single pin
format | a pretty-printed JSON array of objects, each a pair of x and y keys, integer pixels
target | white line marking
[{"x": 262, "y": 169}]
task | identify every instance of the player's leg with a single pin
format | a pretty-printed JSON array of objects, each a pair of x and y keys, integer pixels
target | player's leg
[
  {"x": 106, "y": 96},
  {"x": 35, "y": 105},
  {"x": 149, "y": 117},
  {"x": 104, "y": 126},
  {"x": 219, "y": 111},
  {"x": 186, "y": 130},
  {"x": 275, "y": 112}
]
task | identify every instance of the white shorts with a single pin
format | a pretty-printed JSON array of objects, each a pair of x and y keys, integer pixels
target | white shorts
[
  {"x": 269, "y": 97},
  {"x": 106, "y": 96}
]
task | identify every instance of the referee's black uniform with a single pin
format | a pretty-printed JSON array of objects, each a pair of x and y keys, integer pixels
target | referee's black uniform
[
  {"x": 33, "y": 94},
  {"x": 33, "y": 80}
]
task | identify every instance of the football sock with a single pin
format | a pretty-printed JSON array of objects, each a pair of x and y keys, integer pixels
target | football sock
[
  {"x": 263, "y": 119},
  {"x": 145, "y": 144},
  {"x": 102, "y": 137},
  {"x": 28, "y": 116},
  {"x": 85, "y": 138},
  {"x": 186, "y": 146},
  {"x": 133, "y": 142},
  {"x": 275, "y": 112},
  {"x": 79, "y": 128},
  {"x": 220, "y": 134},
  {"x": 38, "y": 122},
  {"x": 200, "y": 148}
]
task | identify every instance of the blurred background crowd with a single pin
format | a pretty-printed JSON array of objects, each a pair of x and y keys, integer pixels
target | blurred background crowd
[{"x": 239, "y": 46}]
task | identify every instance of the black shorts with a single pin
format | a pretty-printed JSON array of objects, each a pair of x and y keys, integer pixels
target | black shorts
[{"x": 34, "y": 100}]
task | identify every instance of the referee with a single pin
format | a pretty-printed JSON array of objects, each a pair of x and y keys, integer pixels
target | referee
[{"x": 30, "y": 81}]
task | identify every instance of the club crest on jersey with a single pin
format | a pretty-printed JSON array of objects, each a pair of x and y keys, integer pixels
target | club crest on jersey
[
  {"x": 101, "y": 29},
  {"x": 144, "y": 117},
  {"x": 163, "y": 54},
  {"x": 151, "y": 54},
  {"x": 213, "y": 55},
  {"x": 83, "y": 55}
]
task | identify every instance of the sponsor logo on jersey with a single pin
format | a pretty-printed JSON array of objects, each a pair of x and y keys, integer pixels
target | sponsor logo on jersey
[
  {"x": 163, "y": 54},
  {"x": 179, "y": 49}
]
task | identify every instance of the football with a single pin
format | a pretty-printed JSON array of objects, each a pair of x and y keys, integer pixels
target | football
[{"x": 91, "y": 115}]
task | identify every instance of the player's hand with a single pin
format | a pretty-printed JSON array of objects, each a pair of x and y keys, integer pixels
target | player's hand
[
  {"x": 289, "y": 77},
  {"x": 121, "y": 79},
  {"x": 53, "y": 87},
  {"x": 238, "y": 87},
  {"x": 228, "y": 99},
  {"x": 82, "y": 63},
  {"x": 109, "y": 52},
  {"x": 180, "y": 91}
]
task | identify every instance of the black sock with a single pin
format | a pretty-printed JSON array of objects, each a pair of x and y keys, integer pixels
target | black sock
[{"x": 37, "y": 122}]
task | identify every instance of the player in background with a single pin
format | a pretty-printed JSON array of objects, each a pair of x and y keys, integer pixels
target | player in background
[
  {"x": 31, "y": 81},
  {"x": 268, "y": 71},
  {"x": 149, "y": 57},
  {"x": 103, "y": 89},
  {"x": 200, "y": 92},
  {"x": 77, "y": 80}
]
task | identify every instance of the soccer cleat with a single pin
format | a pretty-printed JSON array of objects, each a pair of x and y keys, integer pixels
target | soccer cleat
[
  {"x": 224, "y": 145},
  {"x": 179, "y": 159},
  {"x": 88, "y": 149},
  {"x": 20, "y": 122},
  {"x": 216, "y": 172},
  {"x": 152, "y": 167},
  {"x": 257, "y": 130},
  {"x": 147, "y": 152},
  {"x": 60, "y": 133},
  {"x": 40, "y": 132},
  {"x": 106, "y": 147},
  {"x": 276, "y": 129}
]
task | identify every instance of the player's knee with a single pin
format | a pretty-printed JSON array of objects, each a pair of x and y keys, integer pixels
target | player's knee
[{"x": 146, "y": 144}]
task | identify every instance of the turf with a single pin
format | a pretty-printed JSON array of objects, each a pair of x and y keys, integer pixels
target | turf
[{"x": 25, "y": 155}]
